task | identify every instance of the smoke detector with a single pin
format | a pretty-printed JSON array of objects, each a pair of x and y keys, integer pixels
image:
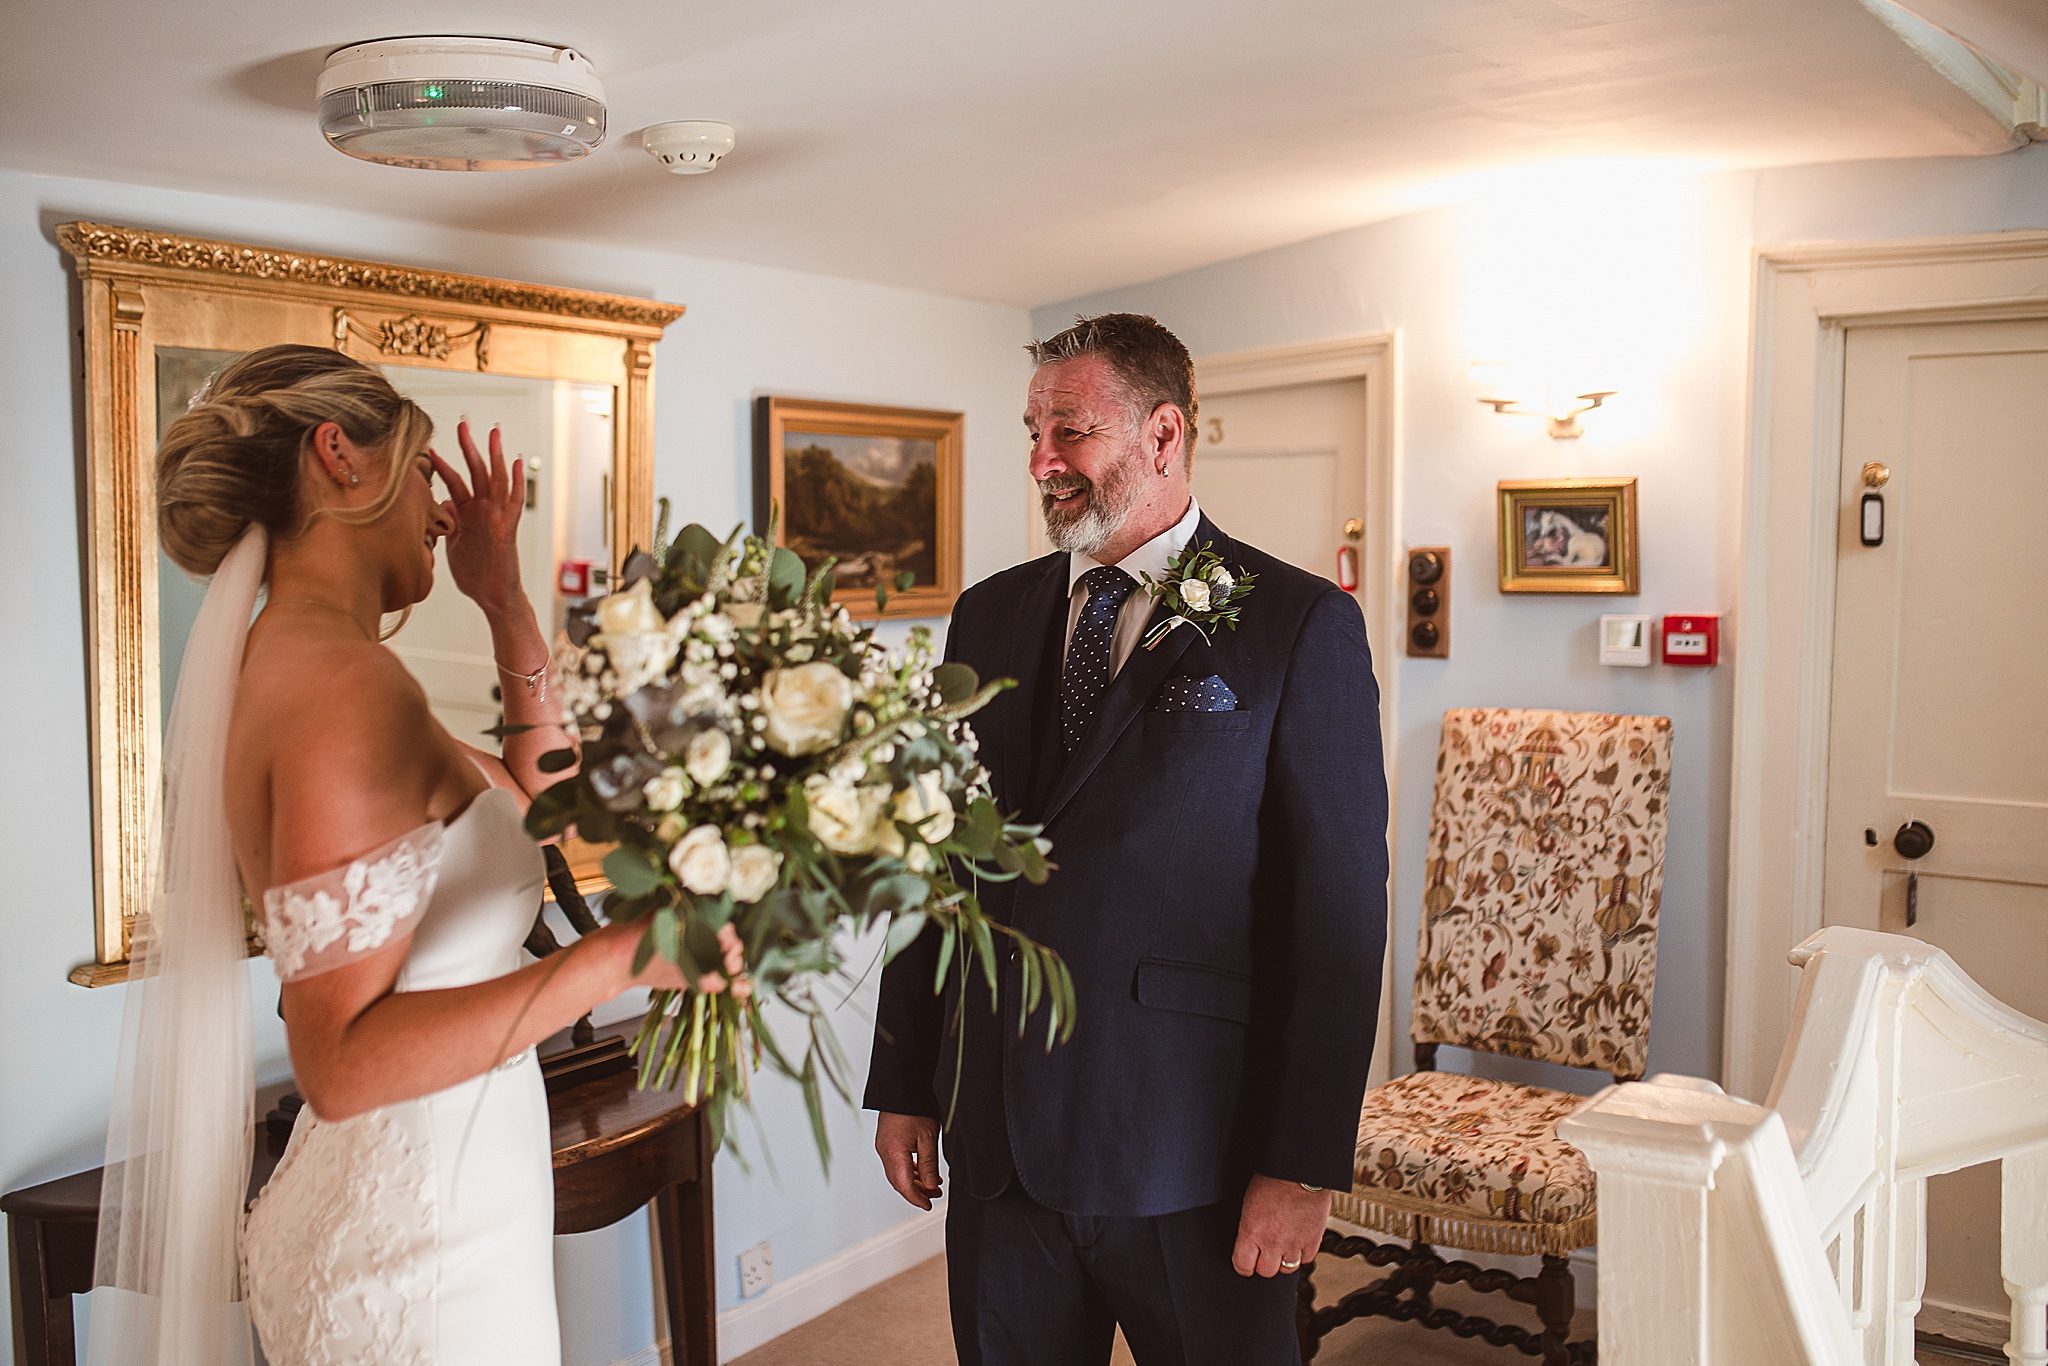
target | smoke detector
[
  {"x": 461, "y": 104},
  {"x": 688, "y": 147}
]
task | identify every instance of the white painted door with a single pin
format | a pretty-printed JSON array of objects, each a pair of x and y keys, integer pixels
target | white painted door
[
  {"x": 1940, "y": 675},
  {"x": 1284, "y": 469}
]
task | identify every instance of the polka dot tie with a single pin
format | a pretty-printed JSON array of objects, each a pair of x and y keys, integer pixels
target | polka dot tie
[{"x": 1092, "y": 651}]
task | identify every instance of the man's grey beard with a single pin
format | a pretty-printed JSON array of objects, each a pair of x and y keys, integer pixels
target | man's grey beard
[{"x": 1109, "y": 507}]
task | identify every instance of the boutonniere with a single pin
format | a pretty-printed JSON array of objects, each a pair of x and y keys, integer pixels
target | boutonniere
[{"x": 1200, "y": 591}]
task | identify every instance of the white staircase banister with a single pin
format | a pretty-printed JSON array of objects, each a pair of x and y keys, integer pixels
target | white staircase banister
[
  {"x": 1681, "y": 1282},
  {"x": 1795, "y": 1232}
]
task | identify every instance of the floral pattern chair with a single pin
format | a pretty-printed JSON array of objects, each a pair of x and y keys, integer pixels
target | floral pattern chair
[{"x": 1538, "y": 940}]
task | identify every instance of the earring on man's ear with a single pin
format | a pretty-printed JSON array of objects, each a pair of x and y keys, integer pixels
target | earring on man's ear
[{"x": 354, "y": 479}]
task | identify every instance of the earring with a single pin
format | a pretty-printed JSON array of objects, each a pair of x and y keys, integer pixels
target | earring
[{"x": 354, "y": 479}]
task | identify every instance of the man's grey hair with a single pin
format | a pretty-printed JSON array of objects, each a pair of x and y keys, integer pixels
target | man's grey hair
[{"x": 1148, "y": 360}]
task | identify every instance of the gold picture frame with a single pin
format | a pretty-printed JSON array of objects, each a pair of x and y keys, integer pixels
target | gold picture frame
[
  {"x": 877, "y": 488},
  {"x": 141, "y": 291},
  {"x": 1569, "y": 536}
]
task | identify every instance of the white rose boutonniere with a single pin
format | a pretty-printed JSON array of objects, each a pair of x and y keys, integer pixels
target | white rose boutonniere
[
  {"x": 805, "y": 707},
  {"x": 1199, "y": 590}
]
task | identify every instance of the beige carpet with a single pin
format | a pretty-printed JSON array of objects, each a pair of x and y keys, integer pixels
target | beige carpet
[{"x": 902, "y": 1322}]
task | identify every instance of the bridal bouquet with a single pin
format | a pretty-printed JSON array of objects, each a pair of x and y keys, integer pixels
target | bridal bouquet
[{"x": 776, "y": 782}]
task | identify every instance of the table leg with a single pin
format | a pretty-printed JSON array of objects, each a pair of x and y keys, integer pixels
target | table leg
[
  {"x": 682, "y": 1221},
  {"x": 42, "y": 1315}
]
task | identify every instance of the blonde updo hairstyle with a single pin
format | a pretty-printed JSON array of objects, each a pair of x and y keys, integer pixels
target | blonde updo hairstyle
[{"x": 233, "y": 460}]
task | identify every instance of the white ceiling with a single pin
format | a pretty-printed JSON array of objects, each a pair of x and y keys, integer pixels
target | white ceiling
[{"x": 1016, "y": 150}]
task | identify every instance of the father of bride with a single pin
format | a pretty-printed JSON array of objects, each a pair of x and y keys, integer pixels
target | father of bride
[{"x": 1217, "y": 807}]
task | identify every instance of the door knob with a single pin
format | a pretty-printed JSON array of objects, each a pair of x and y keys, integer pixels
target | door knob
[{"x": 1914, "y": 840}]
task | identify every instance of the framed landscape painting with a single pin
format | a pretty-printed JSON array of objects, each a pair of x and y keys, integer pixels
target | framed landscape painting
[
  {"x": 1568, "y": 536},
  {"x": 876, "y": 489}
]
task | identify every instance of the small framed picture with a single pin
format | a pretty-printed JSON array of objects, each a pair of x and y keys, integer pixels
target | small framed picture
[
  {"x": 1568, "y": 536},
  {"x": 875, "y": 489}
]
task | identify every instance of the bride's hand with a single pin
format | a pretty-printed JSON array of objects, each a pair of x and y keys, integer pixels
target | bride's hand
[{"x": 483, "y": 550}]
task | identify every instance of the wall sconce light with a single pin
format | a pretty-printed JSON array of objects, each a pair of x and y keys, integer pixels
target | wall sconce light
[{"x": 1564, "y": 426}]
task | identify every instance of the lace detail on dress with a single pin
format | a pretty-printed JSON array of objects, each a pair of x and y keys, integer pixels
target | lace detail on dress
[
  {"x": 322, "y": 922},
  {"x": 339, "y": 1251}
]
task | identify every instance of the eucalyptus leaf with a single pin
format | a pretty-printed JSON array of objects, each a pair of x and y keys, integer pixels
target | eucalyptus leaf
[
  {"x": 786, "y": 577},
  {"x": 954, "y": 681},
  {"x": 631, "y": 871},
  {"x": 639, "y": 565},
  {"x": 903, "y": 931}
]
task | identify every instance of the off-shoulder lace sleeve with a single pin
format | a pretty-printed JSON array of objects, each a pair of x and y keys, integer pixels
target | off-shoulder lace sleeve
[{"x": 322, "y": 922}]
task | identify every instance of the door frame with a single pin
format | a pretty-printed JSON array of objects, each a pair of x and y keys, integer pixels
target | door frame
[
  {"x": 1370, "y": 358},
  {"x": 1804, "y": 301}
]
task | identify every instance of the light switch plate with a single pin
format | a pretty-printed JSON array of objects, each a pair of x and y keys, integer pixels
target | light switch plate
[{"x": 1625, "y": 640}]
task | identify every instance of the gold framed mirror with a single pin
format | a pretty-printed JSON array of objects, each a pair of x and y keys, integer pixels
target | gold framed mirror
[{"x": 568, "y": 373}]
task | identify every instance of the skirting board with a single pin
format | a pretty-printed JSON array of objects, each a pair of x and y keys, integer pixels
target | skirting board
[
  {"x": 830, "y": 1284},
  {"x": 804, "y": 1296},
  {"x": 1968, "y": 1327}
]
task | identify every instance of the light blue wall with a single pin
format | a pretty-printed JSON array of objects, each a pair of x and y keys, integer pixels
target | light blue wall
[
  {"x": 749, "y": 330},
  {"x": 1634, "y": 272}
]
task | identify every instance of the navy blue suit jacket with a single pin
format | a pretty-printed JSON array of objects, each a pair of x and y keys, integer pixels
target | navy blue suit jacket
[{"x": 1220, "y": 898}]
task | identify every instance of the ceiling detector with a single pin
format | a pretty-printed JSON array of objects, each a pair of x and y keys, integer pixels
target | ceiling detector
[
  {"x": 461, "y": 104},
  {"x": 688, "y": 147}
]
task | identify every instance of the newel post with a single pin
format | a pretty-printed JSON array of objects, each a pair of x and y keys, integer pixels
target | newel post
[{"x": 1655, "y": 1150}]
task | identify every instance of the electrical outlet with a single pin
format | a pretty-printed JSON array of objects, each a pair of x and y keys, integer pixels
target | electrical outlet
[{"x": 757, "y": 1270}]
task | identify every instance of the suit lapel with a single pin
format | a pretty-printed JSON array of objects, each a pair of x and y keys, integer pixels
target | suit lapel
[
  {"x": 1040, "y": 634},
  {"x": 1128, "y": 692}
]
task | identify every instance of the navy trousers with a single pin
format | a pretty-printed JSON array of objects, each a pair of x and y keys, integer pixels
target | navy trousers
[{"x": 1031, "y": 1286}]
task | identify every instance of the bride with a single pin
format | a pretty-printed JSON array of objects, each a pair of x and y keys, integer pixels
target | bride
[{"x": 409, "y": 1220}]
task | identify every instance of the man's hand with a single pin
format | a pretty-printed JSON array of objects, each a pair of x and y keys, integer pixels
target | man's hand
[
  {"x": 909, "y": 1147},
  {"x": 1281, "y": 1227}
]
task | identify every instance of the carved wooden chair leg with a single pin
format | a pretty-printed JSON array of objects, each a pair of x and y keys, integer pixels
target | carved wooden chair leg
[
  {"x": 1554, "y": 1309},
  {"x": 1304, "y": 1310},
  {"x": 1419, "y": 1270}
]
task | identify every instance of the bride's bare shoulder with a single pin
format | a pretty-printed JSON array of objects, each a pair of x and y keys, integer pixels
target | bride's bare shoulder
[{"x": 308, "y": 693}]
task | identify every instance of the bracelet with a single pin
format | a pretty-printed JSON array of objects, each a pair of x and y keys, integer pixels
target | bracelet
[
  {"x": 1313, "y": 1190},
  {"x": 536, "y": 682}
]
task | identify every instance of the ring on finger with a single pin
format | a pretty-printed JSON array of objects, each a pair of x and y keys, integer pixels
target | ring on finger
[{"x": 1290, "y": 1263}]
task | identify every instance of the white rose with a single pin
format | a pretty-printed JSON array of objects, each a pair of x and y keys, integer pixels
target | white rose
[
  {"x": 664, "y": 791},
  {"x": 708, "y": 755},
  {"x": 700, "y": 861},
  {"x": 631, "y": 612},
  {"x": 1221, "y": 578},
  {"x": 755, "y": 868},
  {"x": 671, "y": 828},
  {"x": 638, "y": 660},
  {"x": 1195, "y": 593},
  {"x": 925, "y": 805},
  {"x": 746, "y": 615},
  {"x": 844, "y": 818},
  {"x": 805, "y": 707}
]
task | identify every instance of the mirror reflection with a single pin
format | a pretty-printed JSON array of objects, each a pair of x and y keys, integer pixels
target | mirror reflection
[{"x": 564, "y": 430}]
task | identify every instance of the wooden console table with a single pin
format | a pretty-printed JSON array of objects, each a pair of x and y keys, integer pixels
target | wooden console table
[{"x": 616, "y": 1150}]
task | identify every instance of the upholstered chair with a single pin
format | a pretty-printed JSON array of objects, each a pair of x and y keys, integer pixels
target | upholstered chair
[{"x": 1538, "y": 940}]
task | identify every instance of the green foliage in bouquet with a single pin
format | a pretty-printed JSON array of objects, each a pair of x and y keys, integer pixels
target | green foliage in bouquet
[{"x": 775, "y": 782}]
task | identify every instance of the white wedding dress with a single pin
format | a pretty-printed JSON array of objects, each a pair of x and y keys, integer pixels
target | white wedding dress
[{"x": 418, "y": 1234}]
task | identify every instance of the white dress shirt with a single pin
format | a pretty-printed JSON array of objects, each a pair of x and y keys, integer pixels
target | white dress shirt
[{"x": 1149, "y": 558}]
